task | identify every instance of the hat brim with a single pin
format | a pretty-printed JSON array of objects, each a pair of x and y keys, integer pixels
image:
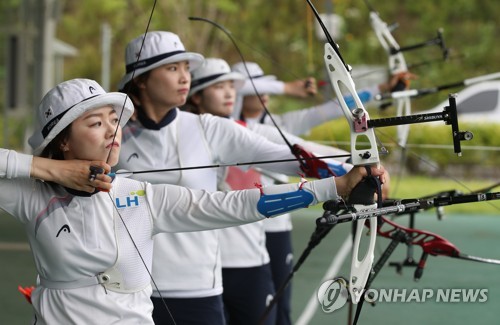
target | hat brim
[
  {"x": 195, "y": 60},
  {"x": 120, "y": 102},
  {"x": 238, "y": 78},
  {"x": 266, "y": 77},
  {"x": 248, "y": 87}
]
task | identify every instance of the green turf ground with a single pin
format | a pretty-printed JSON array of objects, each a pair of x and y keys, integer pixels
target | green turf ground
[
  {"x": 17, "y": 269},
  {"x": 473, "y": 234}
]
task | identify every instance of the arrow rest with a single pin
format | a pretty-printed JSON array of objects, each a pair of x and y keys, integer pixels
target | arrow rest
[{"x": 334, "y": 206}]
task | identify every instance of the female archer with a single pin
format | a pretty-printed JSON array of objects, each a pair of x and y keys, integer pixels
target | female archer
[
  {"x": 93, "y": 248},
  {"x": 247, "y": 275},
  {"x": 163, "y": 137}
]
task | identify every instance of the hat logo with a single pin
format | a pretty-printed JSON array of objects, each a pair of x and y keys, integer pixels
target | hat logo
[
  {"x": 48, "y": 112},
  {"x": 91, "y": 89}
]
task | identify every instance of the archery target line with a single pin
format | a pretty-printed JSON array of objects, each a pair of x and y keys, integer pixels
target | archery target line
[
  {"x": 332, "y": 271},
  {"x": 14, "y": 246}
]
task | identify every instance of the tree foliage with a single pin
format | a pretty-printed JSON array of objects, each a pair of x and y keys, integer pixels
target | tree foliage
[
  {"x": 279, "y": 35},
  {"x": 275, "y": 34}
]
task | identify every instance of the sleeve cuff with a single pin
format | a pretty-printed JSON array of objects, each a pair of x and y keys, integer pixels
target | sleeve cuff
[{"x": 19, "y": 165}]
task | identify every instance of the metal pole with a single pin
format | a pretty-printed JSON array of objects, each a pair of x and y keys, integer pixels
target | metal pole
[{"x": 106, "y": 56}]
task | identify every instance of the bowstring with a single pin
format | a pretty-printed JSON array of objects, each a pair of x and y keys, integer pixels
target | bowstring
[
  {"x": 228, "y": 34},
  {"x": 109, "y": 155},
  {"x": 430, "y": 164}
]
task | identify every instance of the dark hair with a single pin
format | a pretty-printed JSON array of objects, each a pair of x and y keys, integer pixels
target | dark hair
[
  {"x": 132, "y": 89},
  {"x": 53, "y": 150},
  {"x": 190, "y": 106}
]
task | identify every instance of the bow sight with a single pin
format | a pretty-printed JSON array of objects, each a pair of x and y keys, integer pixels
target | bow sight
[{"x": 449, "y": 116}]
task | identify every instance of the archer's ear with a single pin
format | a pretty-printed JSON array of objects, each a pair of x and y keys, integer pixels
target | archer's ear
[
  {"x": 135, "y": 100},
  {"x": 196, "y": 98},
  {"x": 64, "y": 146},
  {"x": 140, "y": 81}
]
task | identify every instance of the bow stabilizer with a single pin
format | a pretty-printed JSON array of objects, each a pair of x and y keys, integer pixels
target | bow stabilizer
[
  {"x": 431, "y": 90},
  {"x": 431, "y": 244}
]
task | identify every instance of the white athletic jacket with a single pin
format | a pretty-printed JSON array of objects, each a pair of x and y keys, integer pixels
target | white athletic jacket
[
  {"x": 189, "y": 264},
  {"x": 89, "y": 267},
  {"x": 245, "y": 246},
  {"x": 270, "y": 132}
]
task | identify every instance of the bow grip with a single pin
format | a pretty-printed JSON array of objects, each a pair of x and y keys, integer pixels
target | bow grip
[
  {"x": 364, "y": 192},
  {"x": 402, "y": 84}
]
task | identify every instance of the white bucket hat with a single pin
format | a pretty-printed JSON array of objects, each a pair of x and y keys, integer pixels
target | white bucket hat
[
  {"x": 212, "y": 71},
  {"x": 69, "y": 100},
  {"x": 250, "y": 70},
  {"x": 254, "y": 70},
  {"x": 159, "y": 48}
]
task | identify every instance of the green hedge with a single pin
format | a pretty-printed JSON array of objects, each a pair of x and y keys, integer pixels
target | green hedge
[{"x": 15, "y": 132}]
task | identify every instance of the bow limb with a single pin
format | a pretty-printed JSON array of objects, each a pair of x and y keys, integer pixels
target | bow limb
[
  {"x": 361, "y": 129},
  {"x": 309, "y": 163},
  {"x": 403, "y": 108},
  {"x": 431, "y": 244}
]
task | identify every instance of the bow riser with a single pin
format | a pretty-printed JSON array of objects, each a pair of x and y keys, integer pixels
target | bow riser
[
  {"x": 339, "y": 76},
  {"x": 403, "y": 109},
  {"x": 397, "y": 62}
]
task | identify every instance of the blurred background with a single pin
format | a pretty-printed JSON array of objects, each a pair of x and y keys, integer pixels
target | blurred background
[{"x": 43, "y": 42}]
